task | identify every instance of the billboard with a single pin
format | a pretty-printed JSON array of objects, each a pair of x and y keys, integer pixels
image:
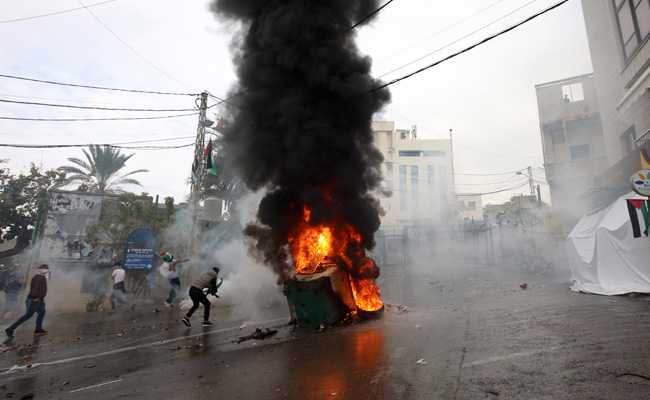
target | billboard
[{"x": 139, "y": 252}]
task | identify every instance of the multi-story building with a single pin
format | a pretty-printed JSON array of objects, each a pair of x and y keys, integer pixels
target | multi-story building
[
  {"x": 417, "y": 172},
  {"x": 572, "y": 141},
  {"x": 619, "y": 36},
  {"x": 470, "y": 207}
]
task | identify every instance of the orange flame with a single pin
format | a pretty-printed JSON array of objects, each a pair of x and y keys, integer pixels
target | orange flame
[{"x": 314, "y": 245}]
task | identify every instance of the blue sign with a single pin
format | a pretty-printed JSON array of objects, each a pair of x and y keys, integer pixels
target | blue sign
[{"x": 139, "y": 253}]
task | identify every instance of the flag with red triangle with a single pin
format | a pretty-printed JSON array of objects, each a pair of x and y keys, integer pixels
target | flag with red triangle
[{"x": 639, "y": 211}]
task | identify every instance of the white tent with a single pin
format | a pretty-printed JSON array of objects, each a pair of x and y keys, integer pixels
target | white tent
[{"x": 604, "y": 255}]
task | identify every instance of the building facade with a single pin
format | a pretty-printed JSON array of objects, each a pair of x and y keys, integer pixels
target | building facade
[
  {"x": 572, "y": 142},
  {"x": 618, "y": 33},
  {"x": 418, "y": 174},
  {"x": 470, "y": 207}
]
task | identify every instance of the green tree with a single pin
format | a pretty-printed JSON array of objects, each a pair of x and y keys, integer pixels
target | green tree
[
  {"x": 127, "y": 213},
  {"x": 21, "y": 198},
  {"x": 101, "y": 170}
]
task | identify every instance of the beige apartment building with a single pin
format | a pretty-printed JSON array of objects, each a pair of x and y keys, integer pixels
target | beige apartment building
[
  {"x": 619, "y": 35},
  {"x": 417, "y": 172},
  {"x": 572, "y": 143}
]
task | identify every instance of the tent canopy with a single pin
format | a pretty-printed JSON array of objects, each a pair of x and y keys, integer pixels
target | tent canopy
[{"x": 604, "y": 255}]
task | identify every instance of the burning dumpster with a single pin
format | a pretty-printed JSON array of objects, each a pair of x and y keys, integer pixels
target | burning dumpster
[{"x": 333, "y": 279}]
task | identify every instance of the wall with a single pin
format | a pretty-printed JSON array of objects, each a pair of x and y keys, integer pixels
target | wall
[{"x": 470, "y": 207}]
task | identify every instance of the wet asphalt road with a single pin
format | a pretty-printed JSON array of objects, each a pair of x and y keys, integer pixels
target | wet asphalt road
[{"x": 471, "y": 333}]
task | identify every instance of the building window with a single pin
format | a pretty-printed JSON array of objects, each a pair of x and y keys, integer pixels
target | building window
[
  {"x": 410, "y": 153},
  {"x": 628, "y": 140},
  {"x": 471, "y": 205},
  {"x": 434, "y": 153},
  {"x": 389, "y": 176},
  {"x": 573, "y": 92},
  {"x": 415, "y": 177},
  {"x": 580, "y": 152},
  {"x": 403, "y": 195},
  {"x": 431, "y": 177},
  {"x": 633, "y": 22}
]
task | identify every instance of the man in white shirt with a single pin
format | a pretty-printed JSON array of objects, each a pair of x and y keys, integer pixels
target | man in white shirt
[
  {"x": 168, "y": 270},
  {"x": 119, "y": 290}
]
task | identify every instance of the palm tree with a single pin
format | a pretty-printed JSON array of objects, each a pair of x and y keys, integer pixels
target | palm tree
[{"x": 100, "y": 170}]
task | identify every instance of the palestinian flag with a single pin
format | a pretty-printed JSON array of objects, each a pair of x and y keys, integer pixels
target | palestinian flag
[
  {"x": 639, "y": 216},
  {"x": 209, "y": 162}
]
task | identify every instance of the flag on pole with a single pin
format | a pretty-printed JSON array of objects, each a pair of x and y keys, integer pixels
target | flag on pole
[
  {"x": 209, "y": 162},
  {"x": 639, "y": 217}
]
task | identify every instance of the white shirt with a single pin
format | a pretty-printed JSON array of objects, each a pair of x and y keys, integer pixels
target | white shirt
[
  {"x": 167, "y": 272},
  {"x": 118, "y": 275}
]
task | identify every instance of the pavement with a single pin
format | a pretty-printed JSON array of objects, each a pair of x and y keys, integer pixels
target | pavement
[{"x": 470, "y": 332}]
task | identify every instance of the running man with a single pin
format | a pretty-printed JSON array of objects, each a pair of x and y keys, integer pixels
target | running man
[
  {"x": 168, "y": 271},
  {"x": 204, "y": 285},
  {"x": 35, "y": 302},
  {"x": 119, "y": 290}
]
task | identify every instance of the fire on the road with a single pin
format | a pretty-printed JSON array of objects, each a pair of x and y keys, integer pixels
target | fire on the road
[{"x": 314, "y": 246}]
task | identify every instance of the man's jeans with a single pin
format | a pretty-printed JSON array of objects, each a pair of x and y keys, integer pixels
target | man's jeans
[{"x": 33, "y": 306}]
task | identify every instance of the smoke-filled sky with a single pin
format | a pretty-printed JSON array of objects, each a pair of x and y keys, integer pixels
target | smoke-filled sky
[{"x": 487, "y": 95}]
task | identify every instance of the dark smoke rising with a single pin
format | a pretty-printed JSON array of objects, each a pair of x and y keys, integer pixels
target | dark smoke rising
[{"x": 302, "y": 116}]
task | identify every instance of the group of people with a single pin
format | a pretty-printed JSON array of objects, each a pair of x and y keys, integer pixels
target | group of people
[{"x": 206, "y": 284}]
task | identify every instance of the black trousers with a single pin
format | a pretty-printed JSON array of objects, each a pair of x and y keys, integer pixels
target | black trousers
[{"x": 197, "y": 297}]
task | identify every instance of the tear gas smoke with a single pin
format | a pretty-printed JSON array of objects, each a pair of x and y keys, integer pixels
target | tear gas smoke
[{"x": 302, "y": 121}]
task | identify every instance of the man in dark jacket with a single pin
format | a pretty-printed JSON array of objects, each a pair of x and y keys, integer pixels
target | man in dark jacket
[
  {"x": 35, "y": 302},
  {"x": 208, "y": 282}
]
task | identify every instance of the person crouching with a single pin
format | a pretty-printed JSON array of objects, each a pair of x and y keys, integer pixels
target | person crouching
[{"x": 207, "y": 280}]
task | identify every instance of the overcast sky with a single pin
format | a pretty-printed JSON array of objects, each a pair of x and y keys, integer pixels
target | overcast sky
[{"x": 487, "y": 96}]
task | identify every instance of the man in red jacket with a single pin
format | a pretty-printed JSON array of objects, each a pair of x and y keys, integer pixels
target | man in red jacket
[{"x": 35, "y": 302}]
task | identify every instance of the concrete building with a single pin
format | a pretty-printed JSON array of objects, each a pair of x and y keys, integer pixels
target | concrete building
[
  {"x": 470, "y": 207},
  {"x": 418, "y": 174},
  {"x": 618, "y": 33},
  {"x": 572, "y": 141}
]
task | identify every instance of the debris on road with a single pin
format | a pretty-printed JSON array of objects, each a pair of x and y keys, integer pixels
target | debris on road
[
  {"x": 259, "y": 334},
  {"x": 421, "y": 362},
  {"x": 399, "y": 308},
  {"x": 524, "y": 286}
]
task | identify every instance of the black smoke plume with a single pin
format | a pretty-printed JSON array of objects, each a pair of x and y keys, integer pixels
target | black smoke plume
[{"x": 302, "y": 114}]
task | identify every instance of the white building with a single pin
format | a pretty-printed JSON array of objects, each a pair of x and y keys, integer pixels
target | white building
[
  {"x": 619, "y": 42},
  {"x": 418, "y": 174},
  {"x": 470, "y": 207}
]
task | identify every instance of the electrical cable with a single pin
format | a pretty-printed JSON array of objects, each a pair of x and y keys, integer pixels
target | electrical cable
[
  {"x": 22, "y": 78},
  {"x": 114, "y": 145},
  {"x": 491, "y": 174},
  {"x": 490, "y": 183},
  {"x": 372, "y": 14},
  {"x": 95, "y": 107},
  {"x": 6, "y": 21},
  {"x": 128, "y": 46},
  {"x": 495, "y": 192},
  {"x": 465, "y": 50},
  {"x": 96, "y": 119},
  {"x": 446, "y": 28},
  {"x": 458, "y": 40}
]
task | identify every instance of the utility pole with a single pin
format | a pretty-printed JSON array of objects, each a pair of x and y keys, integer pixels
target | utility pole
[
  {"x": 198, "y": 174},
  {"x": 531, "y": 181},
  {"x": 453, "y": 172},
  {"x": 539, "y": 195}
]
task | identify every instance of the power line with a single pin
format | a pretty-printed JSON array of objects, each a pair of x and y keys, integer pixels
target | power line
[
  {"x": 495, "y": 192},
  {"x": 22, "y": 78},
  {"x": 95, "y": 107},
  {"x": 96, "y": 119},
  {"x": 448, "y": 27},
  {"x": 128, "y": 46},
  {"x": 491, "y": 174},
  {"x": 465, "y": 50},
  {"x": 118, "y": 146},
  {"x": 372, "y": 14},
  {"x": 487, "y": 183},
  {"x": 7, "y": 21},
  {"x": 459, "y": 39}
]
